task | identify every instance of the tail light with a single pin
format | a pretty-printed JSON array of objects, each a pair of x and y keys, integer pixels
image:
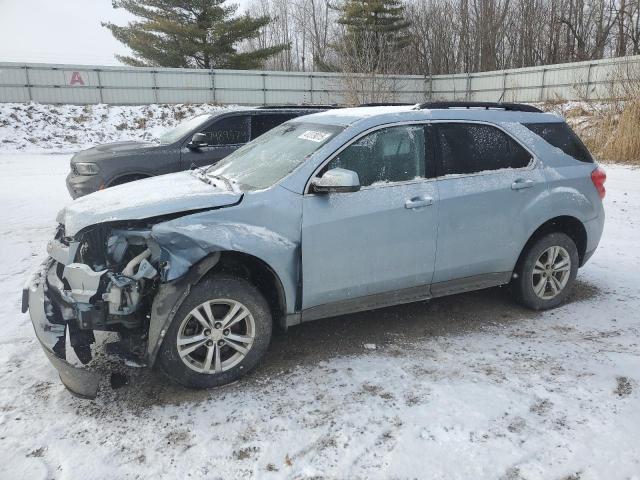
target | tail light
[{"x": 598, "y": 177}]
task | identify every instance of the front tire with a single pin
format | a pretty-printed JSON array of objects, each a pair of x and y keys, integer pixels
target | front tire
[
  {"x": 546, "y": 272},
  {"x": 219, "y": 333}
]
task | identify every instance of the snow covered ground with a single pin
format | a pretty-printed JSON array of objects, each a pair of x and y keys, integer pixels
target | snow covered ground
[
  {"x": 465, "y": 387},
  {"x": 42, "y": 128}
]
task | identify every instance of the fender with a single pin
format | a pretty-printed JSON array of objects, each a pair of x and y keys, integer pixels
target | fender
[
  {"x": 571, "y": 202},
  {"x": 182, "y": 243},
  {"x": 191, "y": 250},
  {"x": 563, "y": 202},
  {"x": 167, "y": 301}
]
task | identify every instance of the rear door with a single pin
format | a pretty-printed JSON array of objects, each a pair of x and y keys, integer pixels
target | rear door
[
  {"x": 224, "y": 136},
  {"x": 381, "y": 239},
  {"x": 486, "y": 180}
]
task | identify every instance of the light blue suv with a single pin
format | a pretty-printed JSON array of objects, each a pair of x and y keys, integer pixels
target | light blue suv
[{"x": 327, "y": 214}]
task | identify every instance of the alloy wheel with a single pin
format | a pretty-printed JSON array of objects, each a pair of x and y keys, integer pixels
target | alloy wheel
[
  {"x": 216, "y": 336},
  {"x": 551, "y": 272}
]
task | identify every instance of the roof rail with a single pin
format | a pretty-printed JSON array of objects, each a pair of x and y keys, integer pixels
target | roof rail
[
  {"x": 267, "y": 107},
  {"x": 511, "y": 107},
  {"x": 385, "y": 104}
]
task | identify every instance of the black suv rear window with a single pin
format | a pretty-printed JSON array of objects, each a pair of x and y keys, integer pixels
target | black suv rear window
[
  {"x": 561, "y": 136},
  {"x": 264, "y": 122}
]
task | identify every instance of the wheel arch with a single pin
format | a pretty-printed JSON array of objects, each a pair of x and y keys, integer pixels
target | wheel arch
[
  {"x": 127, "y": 177},
  {"x": 171, "y": 295},
  {"x": 567, "y": 224},
  {"x": 259, "y": 273}
]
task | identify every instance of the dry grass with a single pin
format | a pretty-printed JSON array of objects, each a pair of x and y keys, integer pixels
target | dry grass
[
  {"x": 611, "y": 130},
  {"x": 616, "y": 135},
  {"x": 576, "y": 112}
]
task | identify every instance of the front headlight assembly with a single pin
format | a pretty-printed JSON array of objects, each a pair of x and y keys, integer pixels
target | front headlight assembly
[{"x": 86, "y": 168}]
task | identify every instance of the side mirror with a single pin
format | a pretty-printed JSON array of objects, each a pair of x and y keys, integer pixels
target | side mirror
[
  {"x": 336, "y": 180},
  {"x": 198, "y": 140}
]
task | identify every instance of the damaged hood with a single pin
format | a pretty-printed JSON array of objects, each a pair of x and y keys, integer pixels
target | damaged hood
[{"x": 151, "y": 197}]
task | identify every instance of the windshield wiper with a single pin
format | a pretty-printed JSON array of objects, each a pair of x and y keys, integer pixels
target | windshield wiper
[
  {"x": 220, "y": 177},
  {"x": 200, "y": 174}
]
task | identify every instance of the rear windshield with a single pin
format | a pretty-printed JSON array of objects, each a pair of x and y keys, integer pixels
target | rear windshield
[{"x": 561, "y": 136}]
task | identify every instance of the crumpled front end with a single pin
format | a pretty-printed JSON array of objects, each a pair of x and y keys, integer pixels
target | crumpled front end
[
  {"x": 103, "y": 280},
  {"x": 51, "y": 330}
]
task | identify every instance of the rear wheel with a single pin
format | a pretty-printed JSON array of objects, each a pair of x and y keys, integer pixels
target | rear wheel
[
  {"x": 546, "y": 272},
  {"x": 219, "y": 333}
]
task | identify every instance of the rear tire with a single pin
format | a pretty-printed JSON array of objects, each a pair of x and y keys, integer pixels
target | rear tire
[
  {"x": 546, "y": 272},
  {"x": 220, "y": 333}
]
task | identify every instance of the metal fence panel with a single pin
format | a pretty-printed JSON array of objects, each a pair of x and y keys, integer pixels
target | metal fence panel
[
  {"x": 327, "y": 83},
  {"x": 13, "y": 76},
  {"x": 250, "y": 81},
  {"x": 281, "y": 97},
  {"x": 14, "y": 94},
  {"x": 76, "y": 96},
  {"x": 201, "y": 80},
  {"x": 124, "y": 96},
  {"x": 184, "y": 96},
  {"x": 127, "y": 79},
  {"x": 83, "y": 84}
]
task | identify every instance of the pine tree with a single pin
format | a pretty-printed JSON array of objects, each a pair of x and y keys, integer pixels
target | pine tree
[
  {"x": 190, "y": 33},
  {"x": 375, "y": 20}
]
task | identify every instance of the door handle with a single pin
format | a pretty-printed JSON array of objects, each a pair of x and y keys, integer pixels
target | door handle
[
  {"x": 521, "y": 183},
  {"x": 417, "y": 202}
]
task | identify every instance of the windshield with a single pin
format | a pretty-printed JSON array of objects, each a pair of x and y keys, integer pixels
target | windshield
[
  {"x": 272, "y": 156},
  {"x": 182, "y": 129}
]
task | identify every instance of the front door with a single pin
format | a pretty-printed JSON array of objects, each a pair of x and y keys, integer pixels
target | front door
[
  {"x": 379, "y": 241},
  {"x": 225, "y": 135}
]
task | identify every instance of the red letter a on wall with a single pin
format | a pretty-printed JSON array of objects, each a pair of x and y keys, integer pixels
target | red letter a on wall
[{"x": 76, "y": 79}]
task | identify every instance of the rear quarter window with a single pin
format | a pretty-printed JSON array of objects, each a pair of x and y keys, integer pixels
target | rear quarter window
[
  {"x": 561, "y": 136},
  {"x": 467, "y": 148}
]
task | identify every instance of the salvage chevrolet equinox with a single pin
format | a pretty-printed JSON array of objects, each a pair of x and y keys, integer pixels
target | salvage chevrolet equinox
[{"x": 327, "y": 214}]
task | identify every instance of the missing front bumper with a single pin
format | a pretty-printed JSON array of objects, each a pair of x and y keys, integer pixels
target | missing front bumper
[{"x": 51, "y": 329}]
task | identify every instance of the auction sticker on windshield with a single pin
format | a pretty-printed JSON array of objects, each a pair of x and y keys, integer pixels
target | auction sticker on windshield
[{"x": 314, "y": 136}]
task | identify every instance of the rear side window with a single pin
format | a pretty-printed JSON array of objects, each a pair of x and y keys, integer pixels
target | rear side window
[
  {"x": 469, "y": 148},
  {"x": 561, "y": 136},
  {"x": 263, "y": 123},
  {"x": 228, "y": 131}
]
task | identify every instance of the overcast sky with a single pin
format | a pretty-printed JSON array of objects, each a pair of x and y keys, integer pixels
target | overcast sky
[{"x": 60, "y": 31}]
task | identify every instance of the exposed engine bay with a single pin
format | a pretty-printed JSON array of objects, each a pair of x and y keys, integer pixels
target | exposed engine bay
[{"x": 106, "y": 278}]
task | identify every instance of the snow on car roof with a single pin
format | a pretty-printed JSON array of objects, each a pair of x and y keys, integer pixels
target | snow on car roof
[
  {"x": 346, "y": 116},
  {"x": 349, "y": 116}
]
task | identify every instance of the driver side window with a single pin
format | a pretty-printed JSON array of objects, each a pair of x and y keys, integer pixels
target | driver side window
[
  {"x": 231, "y": 130},
  {"x": 394, "y": 154}
]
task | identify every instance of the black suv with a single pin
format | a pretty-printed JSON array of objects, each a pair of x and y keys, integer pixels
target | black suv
[{"x": 199, "y": 141}]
